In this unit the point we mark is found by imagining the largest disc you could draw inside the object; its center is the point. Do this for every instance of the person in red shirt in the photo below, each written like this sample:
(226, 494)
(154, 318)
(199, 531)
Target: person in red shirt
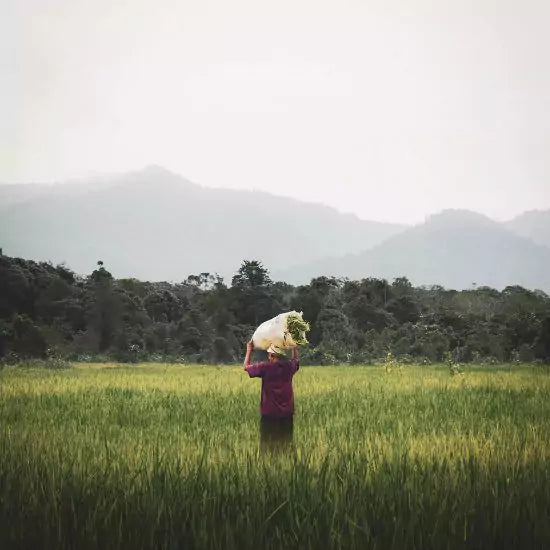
(277, 397)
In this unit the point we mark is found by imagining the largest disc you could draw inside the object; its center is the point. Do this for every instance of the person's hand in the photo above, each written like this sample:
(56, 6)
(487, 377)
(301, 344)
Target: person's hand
(250, 346)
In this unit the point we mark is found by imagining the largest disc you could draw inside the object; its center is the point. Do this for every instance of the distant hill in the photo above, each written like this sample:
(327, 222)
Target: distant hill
(13, 195)
(156, 225)
(455, 249)
(534, 224)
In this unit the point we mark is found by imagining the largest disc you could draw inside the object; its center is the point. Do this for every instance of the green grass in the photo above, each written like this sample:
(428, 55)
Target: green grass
(156, 456)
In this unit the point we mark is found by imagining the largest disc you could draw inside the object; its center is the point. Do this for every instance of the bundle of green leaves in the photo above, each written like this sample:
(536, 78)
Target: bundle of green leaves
(297, 328)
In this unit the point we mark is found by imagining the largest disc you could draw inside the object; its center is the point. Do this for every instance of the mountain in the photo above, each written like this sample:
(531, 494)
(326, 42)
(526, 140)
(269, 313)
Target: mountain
(13, 195)
(156, 225)
(455, 249)
(534, 225)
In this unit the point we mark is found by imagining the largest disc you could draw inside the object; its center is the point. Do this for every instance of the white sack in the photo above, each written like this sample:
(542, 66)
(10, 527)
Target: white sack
(274, 332)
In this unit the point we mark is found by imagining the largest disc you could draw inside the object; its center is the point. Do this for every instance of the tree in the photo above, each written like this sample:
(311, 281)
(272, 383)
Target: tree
(543, 340)
(100, 274)
(404, 308)
(251, 274)
(28, 340)
(311, 299)
(44, 307)
(104, 308)
(163, 304)
(204, 281)
(336, 331)
(15, 288)
(401, 286)
(253, 298)
(5, 336)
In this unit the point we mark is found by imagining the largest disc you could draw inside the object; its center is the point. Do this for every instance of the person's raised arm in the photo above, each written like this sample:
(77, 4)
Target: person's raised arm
(249, 349)
(295, 360)
(254, 370)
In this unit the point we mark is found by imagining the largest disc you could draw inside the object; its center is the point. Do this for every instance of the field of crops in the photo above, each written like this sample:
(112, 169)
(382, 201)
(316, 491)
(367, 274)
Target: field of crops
(156, 456)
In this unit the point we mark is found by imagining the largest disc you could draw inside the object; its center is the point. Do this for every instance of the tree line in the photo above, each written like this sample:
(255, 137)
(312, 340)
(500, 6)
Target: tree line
(48, 311)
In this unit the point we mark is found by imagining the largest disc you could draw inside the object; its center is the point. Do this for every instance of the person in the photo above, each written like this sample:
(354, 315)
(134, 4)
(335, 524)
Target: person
(277, 396)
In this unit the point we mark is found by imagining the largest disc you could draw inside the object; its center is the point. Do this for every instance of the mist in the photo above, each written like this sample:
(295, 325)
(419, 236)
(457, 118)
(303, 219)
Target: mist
(390, 110)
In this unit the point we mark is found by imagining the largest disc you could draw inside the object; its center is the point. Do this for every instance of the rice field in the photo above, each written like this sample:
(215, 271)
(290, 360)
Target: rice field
(168, 456)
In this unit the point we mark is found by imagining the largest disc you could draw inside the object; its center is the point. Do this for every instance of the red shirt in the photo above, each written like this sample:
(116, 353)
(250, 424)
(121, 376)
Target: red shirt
(277, 394)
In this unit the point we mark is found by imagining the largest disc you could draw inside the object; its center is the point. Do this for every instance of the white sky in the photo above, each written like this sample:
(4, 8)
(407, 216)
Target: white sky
(389, 109)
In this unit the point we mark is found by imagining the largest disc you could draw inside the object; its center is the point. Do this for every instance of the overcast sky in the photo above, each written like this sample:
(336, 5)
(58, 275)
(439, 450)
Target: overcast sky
(389, 109)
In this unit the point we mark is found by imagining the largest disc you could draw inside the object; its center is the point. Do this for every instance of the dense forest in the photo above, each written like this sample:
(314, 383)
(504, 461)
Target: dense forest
(49, 312)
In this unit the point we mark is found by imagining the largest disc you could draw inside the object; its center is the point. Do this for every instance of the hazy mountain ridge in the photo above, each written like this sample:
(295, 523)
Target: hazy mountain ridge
(455, 249)
(154, 224)
(12, 195)
(534, 225)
